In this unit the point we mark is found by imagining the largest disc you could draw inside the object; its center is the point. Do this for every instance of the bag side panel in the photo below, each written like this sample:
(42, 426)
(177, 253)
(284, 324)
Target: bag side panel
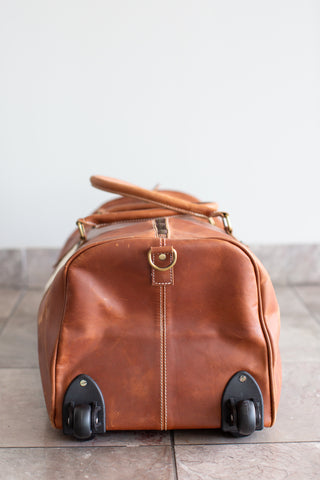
(268, 306)
(213, 330)
(49, 321)
(111, 332)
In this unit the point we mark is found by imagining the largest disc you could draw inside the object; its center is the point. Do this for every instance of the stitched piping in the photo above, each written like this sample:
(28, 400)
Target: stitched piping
(161, 353)
(161, 361)
(165, 350)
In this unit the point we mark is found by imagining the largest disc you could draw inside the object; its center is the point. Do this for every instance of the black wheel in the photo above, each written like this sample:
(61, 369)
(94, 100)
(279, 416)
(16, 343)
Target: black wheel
(83, 409)
(242, 405)
(82, 429)
(246, 417)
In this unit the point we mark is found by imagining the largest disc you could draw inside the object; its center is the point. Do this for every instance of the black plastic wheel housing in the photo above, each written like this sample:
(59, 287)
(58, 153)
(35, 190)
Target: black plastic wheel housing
(242, 405)
(83, 410)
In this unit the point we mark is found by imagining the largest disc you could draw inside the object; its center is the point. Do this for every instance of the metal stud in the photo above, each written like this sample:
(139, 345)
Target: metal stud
(162, 256)
(83, 383)
(242, 378)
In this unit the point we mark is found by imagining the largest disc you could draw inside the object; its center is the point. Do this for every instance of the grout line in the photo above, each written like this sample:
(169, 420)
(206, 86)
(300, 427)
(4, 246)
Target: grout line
(81, 445)
(297, 284)
(24, 268)
(174, 459)
(22, 293)
(27, 288)
(247, 443)
(20, 368)
(34, 288)
(300, 297)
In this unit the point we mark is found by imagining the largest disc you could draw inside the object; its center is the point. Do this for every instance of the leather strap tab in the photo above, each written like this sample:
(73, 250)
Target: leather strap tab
(162, 257)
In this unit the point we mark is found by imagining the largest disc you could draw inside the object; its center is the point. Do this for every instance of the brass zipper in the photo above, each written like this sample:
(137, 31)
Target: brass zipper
(161, 226)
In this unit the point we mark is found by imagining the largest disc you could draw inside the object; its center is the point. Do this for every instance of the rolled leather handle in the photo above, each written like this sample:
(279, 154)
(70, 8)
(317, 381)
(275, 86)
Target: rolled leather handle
(153, 196)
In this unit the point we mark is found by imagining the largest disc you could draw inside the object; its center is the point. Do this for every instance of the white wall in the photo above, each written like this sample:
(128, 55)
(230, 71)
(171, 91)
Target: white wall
(218, 98)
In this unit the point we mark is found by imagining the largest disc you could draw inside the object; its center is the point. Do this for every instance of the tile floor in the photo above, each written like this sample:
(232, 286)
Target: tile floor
(30, 448)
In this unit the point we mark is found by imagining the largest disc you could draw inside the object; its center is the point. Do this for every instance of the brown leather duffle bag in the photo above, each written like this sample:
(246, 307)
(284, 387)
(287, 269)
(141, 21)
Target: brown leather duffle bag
(155, 318)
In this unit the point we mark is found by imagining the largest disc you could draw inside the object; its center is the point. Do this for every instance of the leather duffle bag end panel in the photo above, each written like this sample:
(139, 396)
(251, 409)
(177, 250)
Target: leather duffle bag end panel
(156, 318)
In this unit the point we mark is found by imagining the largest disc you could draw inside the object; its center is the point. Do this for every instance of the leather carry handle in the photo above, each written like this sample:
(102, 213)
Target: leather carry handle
(153, 196)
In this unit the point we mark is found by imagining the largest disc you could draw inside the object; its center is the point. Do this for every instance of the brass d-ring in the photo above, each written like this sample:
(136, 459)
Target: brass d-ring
(163, 269)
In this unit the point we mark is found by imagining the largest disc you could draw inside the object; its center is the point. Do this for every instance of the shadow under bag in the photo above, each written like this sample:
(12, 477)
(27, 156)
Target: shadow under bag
(155, 318)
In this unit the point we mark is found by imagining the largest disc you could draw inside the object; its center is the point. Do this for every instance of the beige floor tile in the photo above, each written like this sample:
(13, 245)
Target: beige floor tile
(310, 295)
(300, 338)
(30, 303)
(3, 322)
(24, 420)
(8, 300)
(294, 461)
(289, 302)
(143, 463)
(290, 264)
(298, 415)
(18, 339)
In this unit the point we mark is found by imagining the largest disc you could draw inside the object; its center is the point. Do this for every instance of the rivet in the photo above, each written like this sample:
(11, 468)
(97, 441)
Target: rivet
(83, 383)
(162, 256)
(242, 378)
